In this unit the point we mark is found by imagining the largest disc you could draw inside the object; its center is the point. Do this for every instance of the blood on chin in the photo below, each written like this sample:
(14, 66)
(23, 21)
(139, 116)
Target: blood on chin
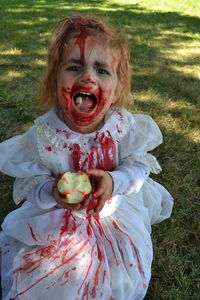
(86, 121)
(83, 125)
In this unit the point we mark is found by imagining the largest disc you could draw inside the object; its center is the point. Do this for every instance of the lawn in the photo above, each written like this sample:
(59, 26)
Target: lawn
(164, 39)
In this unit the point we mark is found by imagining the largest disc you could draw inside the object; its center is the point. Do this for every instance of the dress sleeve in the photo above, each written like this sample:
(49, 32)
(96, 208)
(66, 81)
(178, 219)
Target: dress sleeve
(135, 163)
(19, 158)
(144, 136)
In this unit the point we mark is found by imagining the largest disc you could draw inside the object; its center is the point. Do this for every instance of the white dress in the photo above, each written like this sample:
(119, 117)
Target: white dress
(52, 253)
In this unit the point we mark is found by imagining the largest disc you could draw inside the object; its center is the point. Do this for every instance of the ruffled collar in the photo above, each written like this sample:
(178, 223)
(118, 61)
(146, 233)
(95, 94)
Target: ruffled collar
(116, 125)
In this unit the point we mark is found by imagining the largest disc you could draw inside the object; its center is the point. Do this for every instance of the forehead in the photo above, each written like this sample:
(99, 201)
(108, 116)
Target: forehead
(89, 45)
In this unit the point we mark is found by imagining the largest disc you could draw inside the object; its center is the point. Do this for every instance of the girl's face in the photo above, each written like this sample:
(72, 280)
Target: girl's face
(86, 82)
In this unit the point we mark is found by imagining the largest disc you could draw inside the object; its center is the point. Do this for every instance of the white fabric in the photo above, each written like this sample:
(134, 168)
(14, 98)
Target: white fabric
(52, 253)
(23, 186)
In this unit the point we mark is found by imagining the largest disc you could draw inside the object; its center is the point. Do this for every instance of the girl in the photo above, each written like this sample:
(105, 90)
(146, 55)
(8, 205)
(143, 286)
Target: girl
(101, 248)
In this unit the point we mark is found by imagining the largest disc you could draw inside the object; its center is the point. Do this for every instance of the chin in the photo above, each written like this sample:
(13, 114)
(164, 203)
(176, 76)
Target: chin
(83, 126)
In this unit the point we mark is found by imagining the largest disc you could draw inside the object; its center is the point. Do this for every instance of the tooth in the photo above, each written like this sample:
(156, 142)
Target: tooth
(79, 100)
(85, 93)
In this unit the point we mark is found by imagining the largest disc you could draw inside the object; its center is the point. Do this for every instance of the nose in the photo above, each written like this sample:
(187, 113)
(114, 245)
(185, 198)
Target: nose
(89, 77)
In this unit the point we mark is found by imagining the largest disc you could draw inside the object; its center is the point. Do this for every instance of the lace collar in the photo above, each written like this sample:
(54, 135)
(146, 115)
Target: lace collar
(116, 125)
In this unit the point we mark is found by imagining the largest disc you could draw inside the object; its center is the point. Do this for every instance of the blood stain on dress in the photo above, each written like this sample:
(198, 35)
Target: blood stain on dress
(118, 129)
(134, 249)
(64, 262)
(67, 134)
(99, 157)
(32, 233)
(66, 275)
(96, 276)
(102, 233)
(48, 148)
(120, 116)
(88, 270)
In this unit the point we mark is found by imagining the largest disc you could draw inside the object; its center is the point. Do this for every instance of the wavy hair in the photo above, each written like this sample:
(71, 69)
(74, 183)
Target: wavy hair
(103, 34)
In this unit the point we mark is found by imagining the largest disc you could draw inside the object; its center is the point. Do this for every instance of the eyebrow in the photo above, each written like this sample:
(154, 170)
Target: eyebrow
(72, 61)
(101, 64)
(78, 61)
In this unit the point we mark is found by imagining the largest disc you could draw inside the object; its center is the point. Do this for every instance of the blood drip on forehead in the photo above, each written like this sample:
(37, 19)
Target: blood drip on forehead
(81, 42)
(84, 28)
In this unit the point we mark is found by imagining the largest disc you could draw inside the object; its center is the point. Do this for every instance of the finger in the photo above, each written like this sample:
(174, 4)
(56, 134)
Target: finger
(99, 192)
(98, 209)
(95, 172)
(85, 203)
(100, 204)
(63, 204)
(92, 204)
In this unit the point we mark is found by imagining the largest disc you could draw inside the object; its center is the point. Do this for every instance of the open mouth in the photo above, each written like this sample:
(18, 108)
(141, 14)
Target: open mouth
(85, 102)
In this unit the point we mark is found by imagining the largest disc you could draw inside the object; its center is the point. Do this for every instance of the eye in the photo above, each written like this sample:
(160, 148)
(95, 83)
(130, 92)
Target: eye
(102, 71)
(73, 68)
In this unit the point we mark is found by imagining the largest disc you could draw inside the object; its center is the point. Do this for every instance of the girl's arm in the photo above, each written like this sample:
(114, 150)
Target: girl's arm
(127, 179)
(135, 164)
(18, 160)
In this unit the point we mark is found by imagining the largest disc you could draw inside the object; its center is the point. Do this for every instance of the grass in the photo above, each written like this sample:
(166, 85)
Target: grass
(165, 41)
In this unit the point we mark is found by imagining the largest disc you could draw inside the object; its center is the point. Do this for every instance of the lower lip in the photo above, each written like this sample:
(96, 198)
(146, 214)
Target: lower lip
(83, 114)
(83, 118)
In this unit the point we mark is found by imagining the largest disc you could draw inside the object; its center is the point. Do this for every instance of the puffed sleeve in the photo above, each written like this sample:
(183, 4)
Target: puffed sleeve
(19, 158)
(135, 163)
(144, 136)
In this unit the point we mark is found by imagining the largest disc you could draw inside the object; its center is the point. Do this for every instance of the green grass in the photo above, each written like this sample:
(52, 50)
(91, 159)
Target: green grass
(165, 55)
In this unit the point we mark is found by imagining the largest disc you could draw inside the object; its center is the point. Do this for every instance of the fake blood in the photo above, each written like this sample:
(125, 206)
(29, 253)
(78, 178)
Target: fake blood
(96, 276)
(110, 242)
(64, 262)
(52, 271)
(49, 148)
(92, 204)
(76, 156)
(65, 132)
(88, 270)
(81, 43)
(99, 157)
(108, 151)
(134, 249)
(66, 275)
(32, 233)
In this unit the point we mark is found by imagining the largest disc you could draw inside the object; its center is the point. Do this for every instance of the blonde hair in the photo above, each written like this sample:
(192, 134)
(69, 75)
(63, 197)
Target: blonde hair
(101, 32)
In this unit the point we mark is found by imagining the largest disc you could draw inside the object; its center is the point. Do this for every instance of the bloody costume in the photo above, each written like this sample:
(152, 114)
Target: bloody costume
(52, 253)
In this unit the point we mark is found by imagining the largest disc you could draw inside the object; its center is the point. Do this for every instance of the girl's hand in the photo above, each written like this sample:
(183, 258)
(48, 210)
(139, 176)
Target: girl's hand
(102, 185)
(77, 206)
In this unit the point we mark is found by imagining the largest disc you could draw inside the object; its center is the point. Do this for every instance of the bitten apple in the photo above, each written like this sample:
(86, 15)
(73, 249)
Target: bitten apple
(74, 186)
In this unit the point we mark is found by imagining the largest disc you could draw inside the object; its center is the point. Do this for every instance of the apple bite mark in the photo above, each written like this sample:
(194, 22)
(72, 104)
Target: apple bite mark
(74, 186)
